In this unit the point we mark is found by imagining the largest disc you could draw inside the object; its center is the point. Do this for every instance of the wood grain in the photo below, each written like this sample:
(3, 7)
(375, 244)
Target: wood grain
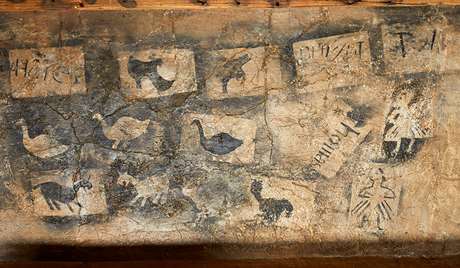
(33, 5)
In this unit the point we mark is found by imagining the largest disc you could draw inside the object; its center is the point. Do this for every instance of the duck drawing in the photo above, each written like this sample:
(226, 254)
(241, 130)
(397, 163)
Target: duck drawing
(219, 144)
(125, 129)
(42, 146)
(139, 69)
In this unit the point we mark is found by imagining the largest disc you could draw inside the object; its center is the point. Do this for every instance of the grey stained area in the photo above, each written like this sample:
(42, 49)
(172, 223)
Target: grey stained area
(135, 168)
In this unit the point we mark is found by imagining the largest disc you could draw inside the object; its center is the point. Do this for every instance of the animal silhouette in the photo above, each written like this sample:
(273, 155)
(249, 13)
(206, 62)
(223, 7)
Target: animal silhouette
(54, 193)
(125, 129)
(155, 189)
(139, 69)
(233, 69)
(220, 144)
(271, 208)
(42, 146)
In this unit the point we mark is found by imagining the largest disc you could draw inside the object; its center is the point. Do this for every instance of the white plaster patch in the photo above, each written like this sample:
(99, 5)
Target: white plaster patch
(47, 72)
(375, 198)
(335, 61)
(155, 73)
(242, 72)
(56, 194)
(409, 49)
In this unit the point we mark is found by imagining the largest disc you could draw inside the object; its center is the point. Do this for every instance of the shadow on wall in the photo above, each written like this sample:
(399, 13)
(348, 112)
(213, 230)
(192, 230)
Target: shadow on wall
(434, 253)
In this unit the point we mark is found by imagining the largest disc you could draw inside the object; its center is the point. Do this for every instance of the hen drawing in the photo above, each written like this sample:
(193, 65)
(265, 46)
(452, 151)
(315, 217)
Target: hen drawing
(138, 69)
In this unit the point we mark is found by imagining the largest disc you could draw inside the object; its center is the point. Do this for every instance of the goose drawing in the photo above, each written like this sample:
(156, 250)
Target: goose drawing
(220, 144)
(125, 129)
(139, 69)
(42, 146)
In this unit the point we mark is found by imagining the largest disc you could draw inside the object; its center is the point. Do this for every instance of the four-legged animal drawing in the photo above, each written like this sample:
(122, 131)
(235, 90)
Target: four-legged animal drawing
(153, 188)
(54, 193)
(272, 209)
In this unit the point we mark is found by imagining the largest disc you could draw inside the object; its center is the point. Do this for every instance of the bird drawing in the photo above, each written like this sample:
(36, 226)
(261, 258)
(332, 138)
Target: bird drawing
(219, 144)
(139, 69)
(42, 146)
(125, 129)
(233, 69)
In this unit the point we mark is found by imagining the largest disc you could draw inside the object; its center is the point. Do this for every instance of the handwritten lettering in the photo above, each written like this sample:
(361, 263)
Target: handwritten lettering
(47, 72)
(36, 69)
(332, 144)
(333, 51)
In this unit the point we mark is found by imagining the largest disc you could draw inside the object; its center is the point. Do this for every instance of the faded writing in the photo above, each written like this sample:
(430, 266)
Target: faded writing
(332, 144)
(333, 61)
(47, 72)
(412, 48)
(333, 51)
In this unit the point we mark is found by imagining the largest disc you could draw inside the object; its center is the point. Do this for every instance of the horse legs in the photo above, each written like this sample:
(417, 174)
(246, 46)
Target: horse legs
(70, 207)
(144, 200)
(135, 199)
(56, 204)
(50, 205)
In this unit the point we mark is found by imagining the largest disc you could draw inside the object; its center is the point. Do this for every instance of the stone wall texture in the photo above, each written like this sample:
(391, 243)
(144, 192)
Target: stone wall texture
(309, 131)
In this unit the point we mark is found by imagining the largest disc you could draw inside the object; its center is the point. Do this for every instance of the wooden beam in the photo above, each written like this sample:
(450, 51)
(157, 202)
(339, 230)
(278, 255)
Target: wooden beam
(34, 5)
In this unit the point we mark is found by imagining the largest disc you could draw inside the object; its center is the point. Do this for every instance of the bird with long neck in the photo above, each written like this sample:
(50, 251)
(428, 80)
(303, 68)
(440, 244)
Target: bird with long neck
(42, 146)
(200, 131)
(220, 144)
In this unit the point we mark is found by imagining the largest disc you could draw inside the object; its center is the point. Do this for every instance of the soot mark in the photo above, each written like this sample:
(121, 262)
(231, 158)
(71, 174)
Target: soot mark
(272, 209)
(403, 150)
(55, 193)
(220, 144)
(406, 125)
(233, 69)
(202, 2)
(360, 114)
(128, 3)
(139, 69)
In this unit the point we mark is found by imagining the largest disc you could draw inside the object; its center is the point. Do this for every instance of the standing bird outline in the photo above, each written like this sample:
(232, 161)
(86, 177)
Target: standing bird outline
(43, 145)
(125, 129)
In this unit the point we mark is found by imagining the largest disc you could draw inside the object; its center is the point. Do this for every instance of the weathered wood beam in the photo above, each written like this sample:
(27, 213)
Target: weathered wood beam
(33, 5)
